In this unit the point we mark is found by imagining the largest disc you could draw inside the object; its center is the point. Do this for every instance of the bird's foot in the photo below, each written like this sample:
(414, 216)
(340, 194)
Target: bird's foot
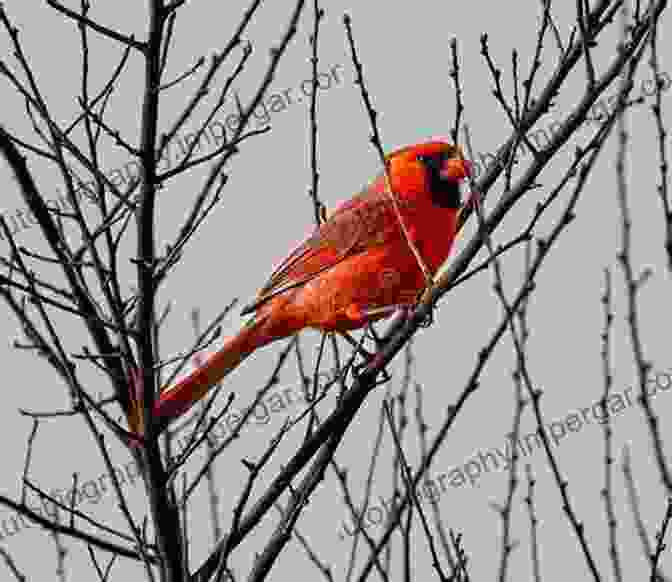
(368, 359)
(407, 310)
(363, 367)
(429, 319)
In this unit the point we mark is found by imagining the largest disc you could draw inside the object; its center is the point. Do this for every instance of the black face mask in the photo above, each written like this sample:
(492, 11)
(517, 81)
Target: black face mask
(445, 192)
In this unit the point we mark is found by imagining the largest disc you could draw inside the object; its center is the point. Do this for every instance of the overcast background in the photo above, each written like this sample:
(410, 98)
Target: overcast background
(265, 210)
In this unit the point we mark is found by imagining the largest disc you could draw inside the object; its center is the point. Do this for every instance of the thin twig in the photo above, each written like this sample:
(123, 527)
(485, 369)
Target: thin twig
(406, 472)
(318, 206)
(607, 491)
(213, 497)
(633, 285)
(586, 41)
(74, 533)
(313, 557)
(656, 110)
(660, 541)
(29, 454)
(75, 512)
(534, 524)
(184, 76)
(375, 140)
(12, 566)
(455, 76)
(105, 31)
(438, 521)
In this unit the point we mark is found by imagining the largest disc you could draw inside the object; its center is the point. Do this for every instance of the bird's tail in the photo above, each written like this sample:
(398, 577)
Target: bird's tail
(178, 399)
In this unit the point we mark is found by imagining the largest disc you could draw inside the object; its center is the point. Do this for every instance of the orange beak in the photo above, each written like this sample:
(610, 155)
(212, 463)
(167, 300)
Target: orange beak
(456, 169)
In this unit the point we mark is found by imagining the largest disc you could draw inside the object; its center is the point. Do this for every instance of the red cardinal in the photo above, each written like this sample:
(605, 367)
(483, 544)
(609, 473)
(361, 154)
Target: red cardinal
(356, 268)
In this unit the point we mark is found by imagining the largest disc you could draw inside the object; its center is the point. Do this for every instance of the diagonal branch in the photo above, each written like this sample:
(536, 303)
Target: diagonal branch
(104, 30)
(75, 533)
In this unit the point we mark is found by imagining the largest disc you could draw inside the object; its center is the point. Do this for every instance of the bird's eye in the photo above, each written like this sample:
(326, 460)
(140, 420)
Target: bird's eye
(434, 160)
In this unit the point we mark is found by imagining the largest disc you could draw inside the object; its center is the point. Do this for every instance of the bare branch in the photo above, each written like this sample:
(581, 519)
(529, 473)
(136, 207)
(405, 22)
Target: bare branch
(74, 533)
(105, 31)
(12, 566)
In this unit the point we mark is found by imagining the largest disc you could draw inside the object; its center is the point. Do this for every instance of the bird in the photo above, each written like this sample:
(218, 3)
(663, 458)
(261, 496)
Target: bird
(358, 266)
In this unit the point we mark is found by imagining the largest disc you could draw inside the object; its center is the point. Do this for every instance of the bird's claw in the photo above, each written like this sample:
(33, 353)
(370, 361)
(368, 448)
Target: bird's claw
(429, 319)
(409, 309)
(359, 369)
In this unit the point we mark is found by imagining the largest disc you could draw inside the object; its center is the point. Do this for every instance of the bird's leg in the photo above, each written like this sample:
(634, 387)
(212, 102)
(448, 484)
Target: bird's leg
(474, 200)
(367, 356)
(370, 363)
(374, 336)
(403, 312)
(357, 312)
(413, 304)
(429, 320)
(382, 312)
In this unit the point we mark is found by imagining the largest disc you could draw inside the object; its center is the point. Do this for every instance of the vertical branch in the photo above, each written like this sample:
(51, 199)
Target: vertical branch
(341, 475)
(407, 545)
(406, 472)
(634, 284)
(210, 471)
(402, 402)
(318, 207)
(438, 522)
(607, 492)
(455, 76)
(146, 244)
(534, 524)
(505, 510)
(656, 109)
(164, 511)
(582, 16)
(29, 454)
(184, 533)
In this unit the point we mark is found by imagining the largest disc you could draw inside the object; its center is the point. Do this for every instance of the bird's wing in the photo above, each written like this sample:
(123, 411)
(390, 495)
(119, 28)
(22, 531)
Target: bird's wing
(364, 221)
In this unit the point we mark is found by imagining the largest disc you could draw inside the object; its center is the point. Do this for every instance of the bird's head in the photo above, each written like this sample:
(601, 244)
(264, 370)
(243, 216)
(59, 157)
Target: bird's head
(435, 168)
